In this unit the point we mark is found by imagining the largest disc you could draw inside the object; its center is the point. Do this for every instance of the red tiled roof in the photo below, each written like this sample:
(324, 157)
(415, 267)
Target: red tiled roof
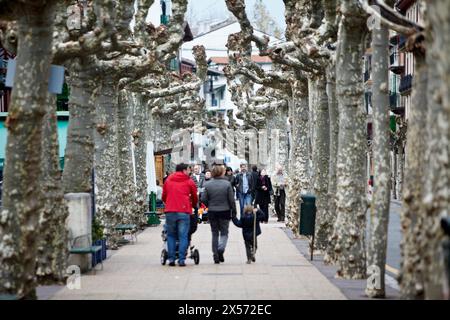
(255, 58)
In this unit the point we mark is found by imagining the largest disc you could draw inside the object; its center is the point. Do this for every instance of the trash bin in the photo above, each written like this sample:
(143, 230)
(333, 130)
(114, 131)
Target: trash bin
(308, 218)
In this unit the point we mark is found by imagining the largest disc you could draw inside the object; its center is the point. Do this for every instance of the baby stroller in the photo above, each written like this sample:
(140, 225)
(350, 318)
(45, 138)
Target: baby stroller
(193, 252)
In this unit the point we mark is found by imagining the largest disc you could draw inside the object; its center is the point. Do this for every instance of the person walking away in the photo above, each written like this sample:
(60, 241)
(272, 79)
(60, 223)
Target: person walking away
(245, 186)
(249, 223)
(279, 183)
(219, 198)
(179, 196)
(263, 193)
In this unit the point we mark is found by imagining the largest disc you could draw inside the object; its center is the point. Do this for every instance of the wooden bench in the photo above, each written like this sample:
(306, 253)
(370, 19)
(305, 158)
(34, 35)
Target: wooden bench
(123, 227)
(89, 249)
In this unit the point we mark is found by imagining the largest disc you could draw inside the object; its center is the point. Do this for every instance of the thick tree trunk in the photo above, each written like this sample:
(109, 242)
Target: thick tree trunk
(298, 181)
(140, 138)
(332, 178)
(379, 212)
(277, 120)
(22, 201)
(79, 154)
(349, 228)
(410, 279)
(437, 181)
(106, 164)
(126, 173)
(52, 246)
(321, 158)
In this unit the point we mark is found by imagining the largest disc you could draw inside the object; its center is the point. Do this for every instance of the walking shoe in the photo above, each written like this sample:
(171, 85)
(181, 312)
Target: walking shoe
(181, 264)
(172, 263)
(253, 258)
(249, 261)
(221, 258)
(216, 261)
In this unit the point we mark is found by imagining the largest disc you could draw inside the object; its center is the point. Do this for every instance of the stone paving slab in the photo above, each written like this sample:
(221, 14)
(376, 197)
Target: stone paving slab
(135, 272)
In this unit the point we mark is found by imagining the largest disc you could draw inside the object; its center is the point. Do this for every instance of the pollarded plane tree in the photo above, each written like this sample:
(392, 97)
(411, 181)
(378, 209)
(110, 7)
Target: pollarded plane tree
(21, 207)
(307, 58)
(24, 207)
(425, 199)
(169, 98)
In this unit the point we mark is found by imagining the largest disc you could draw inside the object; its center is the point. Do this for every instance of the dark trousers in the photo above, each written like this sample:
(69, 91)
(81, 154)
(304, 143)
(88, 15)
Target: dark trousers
(280, 202)
(265, 208)
(249, 248)
(219, 230)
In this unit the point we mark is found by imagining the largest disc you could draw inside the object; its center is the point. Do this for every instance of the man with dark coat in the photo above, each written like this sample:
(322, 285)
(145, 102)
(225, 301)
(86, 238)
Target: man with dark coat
(245, 187)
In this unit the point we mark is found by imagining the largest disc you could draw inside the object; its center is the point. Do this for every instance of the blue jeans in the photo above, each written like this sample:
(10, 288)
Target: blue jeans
(178, 224)
(244, 199)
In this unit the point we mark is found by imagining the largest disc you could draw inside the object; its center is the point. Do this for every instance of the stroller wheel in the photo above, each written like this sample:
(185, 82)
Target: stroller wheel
(196, 256)
(164, 257)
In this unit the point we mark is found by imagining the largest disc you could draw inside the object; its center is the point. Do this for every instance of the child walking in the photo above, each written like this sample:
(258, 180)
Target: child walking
(249, 223)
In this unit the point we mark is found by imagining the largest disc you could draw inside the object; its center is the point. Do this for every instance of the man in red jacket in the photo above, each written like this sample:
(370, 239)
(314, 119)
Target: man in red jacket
(179, 196)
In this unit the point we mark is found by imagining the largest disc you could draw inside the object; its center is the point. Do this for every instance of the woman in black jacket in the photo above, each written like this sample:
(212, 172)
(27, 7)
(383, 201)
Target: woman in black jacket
(263, 192)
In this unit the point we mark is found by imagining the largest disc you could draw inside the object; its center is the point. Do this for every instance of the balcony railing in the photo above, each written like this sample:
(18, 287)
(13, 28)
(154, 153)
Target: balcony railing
(405, 83)
(393, 100)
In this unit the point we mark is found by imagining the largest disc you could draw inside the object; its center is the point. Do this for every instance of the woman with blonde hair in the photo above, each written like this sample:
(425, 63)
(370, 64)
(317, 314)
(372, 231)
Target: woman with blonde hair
(218, 196)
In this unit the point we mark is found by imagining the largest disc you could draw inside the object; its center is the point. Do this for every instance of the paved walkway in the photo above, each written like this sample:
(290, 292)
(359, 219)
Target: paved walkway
(134, 272)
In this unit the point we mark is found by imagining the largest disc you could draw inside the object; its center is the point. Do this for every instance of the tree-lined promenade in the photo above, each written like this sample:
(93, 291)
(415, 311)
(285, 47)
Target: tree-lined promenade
(118, 68)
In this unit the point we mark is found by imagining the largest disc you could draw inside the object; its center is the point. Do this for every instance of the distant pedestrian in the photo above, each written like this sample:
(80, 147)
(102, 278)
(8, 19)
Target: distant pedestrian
(279, 184)
(255, 175)
(263, 192)
(219, 198)
(230, 176)
(199, 179)
(159, 191)
(245, 187)
(179, 195)
(249, 222)
(166, 176)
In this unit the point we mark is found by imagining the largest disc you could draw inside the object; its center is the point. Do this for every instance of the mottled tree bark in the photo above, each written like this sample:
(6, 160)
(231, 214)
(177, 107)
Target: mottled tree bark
(379, 212)
(298, 181)
(277, 120)
(124, 138)
(19, 221)
(79, 153)
(321, 158)
(52, 245)
(106, 163)
(332, 178)
(437, 181)
(351, 197)
(410, 279)
(140, 138)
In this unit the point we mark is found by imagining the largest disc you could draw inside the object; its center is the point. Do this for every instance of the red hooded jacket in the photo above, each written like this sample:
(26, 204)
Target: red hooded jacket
(179, 193)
